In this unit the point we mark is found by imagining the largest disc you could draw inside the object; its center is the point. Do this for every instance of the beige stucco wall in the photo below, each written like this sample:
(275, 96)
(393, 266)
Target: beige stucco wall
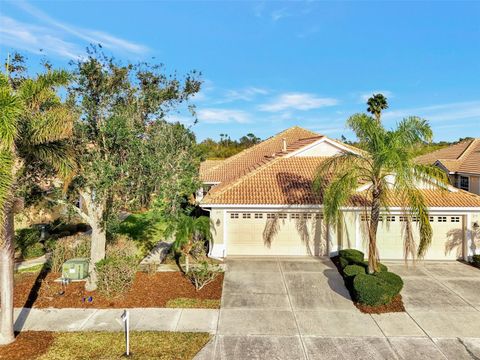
(475, 184)
(216, 216)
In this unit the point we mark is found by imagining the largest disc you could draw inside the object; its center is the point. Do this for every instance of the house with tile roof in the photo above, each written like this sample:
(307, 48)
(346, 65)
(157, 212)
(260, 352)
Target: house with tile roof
(460, 161)
(261, 202)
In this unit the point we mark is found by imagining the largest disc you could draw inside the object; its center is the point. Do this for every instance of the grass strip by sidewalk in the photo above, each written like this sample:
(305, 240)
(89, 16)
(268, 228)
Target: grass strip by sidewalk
(188, 303)
(105, 345)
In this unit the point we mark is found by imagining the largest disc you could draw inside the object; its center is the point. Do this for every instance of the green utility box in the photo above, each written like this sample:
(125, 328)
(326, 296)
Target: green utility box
(75, 269)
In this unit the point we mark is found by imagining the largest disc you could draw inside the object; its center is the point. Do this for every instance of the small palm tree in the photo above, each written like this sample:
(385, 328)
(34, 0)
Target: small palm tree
(34, 128)
(376, 104)
(186, 230)
(386, 167)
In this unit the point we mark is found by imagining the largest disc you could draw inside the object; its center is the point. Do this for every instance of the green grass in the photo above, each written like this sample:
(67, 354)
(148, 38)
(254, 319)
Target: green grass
(32, 269)
(193, 303)
(144, 228)
(143, 345)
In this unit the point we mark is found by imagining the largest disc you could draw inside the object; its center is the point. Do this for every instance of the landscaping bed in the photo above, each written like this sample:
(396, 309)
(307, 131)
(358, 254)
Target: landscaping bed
(39, 290)
(371, 293)
(43, 345)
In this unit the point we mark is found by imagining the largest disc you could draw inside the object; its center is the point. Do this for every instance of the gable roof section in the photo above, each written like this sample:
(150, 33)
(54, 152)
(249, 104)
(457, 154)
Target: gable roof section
(463, 157)
(258, 155)
(207, 165)
(288, 181)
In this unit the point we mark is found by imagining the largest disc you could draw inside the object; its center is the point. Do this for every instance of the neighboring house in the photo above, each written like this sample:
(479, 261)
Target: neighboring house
(461, 162)
(261, 203)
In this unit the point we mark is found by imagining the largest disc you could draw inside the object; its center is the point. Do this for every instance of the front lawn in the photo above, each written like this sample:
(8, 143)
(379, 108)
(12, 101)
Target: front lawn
(104, 345)
(39, 290)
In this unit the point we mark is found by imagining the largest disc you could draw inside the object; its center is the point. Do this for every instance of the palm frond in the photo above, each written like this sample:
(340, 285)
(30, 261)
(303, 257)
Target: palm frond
(48, 126)
(11, 107)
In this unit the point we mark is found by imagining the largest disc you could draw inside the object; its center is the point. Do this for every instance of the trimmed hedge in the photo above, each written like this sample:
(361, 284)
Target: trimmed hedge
(343, 262)
(476, 260)
(382, 268)
(352, 255)
(353, 270)
(377, 289)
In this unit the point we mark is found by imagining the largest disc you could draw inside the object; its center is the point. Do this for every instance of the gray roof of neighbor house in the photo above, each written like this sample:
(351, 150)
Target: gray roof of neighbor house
(463, 157)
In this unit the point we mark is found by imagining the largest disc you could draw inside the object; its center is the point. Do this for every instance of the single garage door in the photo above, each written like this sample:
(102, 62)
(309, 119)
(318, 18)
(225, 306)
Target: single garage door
(447, 241)
(251, 233)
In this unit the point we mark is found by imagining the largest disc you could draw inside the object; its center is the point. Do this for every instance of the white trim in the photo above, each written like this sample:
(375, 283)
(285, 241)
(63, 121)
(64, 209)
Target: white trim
(293, 207)
(319, 141)
(467, 253)
(211, 182)
(225, 232)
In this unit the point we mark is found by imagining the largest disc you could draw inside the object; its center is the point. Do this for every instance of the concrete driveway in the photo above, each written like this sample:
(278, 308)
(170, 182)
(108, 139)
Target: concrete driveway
(298, 308)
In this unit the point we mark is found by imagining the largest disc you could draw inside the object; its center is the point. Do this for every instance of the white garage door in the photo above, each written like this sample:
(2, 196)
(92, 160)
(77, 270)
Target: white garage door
(275, 234)
(447, 241)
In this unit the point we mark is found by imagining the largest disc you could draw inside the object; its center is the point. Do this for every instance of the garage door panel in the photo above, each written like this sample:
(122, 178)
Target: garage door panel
(289, 236)
(447, 239)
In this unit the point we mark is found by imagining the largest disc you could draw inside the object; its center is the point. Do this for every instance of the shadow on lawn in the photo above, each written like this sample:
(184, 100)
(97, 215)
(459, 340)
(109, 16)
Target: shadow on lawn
(32, 297)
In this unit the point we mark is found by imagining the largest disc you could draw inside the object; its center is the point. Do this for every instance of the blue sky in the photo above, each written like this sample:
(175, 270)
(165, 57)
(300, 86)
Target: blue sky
(268, 65)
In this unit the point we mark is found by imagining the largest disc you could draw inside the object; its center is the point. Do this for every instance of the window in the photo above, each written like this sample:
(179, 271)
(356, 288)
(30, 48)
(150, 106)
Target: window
(464, 183)
(391, 218)
(455, 219)
(442, 219)
(246, 216)
(282, 216)
(415, 219)
(364, 217)
(307, 216)
(294, 216)
(318, 216)
(233, 216)
(258, 216)
(402, 218)
(270, 216)
(432, 219)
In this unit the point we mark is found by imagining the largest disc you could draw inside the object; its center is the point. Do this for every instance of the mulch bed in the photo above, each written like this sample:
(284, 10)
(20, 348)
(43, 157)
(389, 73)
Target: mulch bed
(27, 345)
(38, 290)
(396, 305)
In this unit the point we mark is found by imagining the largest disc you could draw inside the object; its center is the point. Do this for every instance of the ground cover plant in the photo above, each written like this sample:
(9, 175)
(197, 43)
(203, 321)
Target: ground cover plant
(104, 345)
(376, 292)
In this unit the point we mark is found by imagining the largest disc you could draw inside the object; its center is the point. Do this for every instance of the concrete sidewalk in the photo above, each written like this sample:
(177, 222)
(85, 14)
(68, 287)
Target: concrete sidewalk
(155, 319)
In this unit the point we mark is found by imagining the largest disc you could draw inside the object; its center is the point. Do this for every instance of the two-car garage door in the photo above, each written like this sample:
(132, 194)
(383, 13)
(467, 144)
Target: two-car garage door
(447, 241)
(263, 233)
(250, 233)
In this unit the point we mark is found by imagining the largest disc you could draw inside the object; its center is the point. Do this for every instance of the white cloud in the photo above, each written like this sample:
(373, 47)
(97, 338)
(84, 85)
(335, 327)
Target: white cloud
(246, 94)
(222, 116)
(438, 113)
(279, 14)
(297, 101)
(367, 95)
(53, 36)
(36, 39)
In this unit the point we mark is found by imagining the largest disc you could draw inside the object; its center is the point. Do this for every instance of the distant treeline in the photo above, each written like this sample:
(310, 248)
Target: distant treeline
(226, 147)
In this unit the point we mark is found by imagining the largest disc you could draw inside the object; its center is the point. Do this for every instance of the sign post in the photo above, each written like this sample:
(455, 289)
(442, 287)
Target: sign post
(126, 320)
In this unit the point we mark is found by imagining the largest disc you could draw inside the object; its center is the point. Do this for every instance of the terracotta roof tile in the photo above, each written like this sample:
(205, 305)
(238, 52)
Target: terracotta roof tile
(257, 155)
(288, 181)
(208, 165)
(462, 157)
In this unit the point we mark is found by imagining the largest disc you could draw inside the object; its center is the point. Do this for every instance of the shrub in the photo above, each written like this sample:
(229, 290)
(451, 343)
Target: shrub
(353, 270)
(371, 290)
(476, 260)
(352, 255)
(203, 274)
(382, 268)
(393, 280)
(27, 241)
(122, 247)
(377, 289)
(33, 251)
(343, 262)
(116, 274)
(68, 248)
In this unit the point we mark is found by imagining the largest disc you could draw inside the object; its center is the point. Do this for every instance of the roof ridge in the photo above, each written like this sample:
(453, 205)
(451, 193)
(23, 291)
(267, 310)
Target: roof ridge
(467, 149)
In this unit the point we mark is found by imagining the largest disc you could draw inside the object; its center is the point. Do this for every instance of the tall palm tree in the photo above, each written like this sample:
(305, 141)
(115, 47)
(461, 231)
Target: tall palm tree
(385, 167)
(186, 230)
(34, 128)
(376, 104)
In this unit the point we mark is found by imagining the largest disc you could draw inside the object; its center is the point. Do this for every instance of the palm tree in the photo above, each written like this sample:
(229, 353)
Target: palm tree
(34, 127)
(385, 167)
(376, 104)
(186, 230)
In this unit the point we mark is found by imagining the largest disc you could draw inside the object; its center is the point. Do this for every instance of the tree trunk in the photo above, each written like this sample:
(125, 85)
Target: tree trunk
(6, 278)
(372, 232)
(187, 263)
(95, 214)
